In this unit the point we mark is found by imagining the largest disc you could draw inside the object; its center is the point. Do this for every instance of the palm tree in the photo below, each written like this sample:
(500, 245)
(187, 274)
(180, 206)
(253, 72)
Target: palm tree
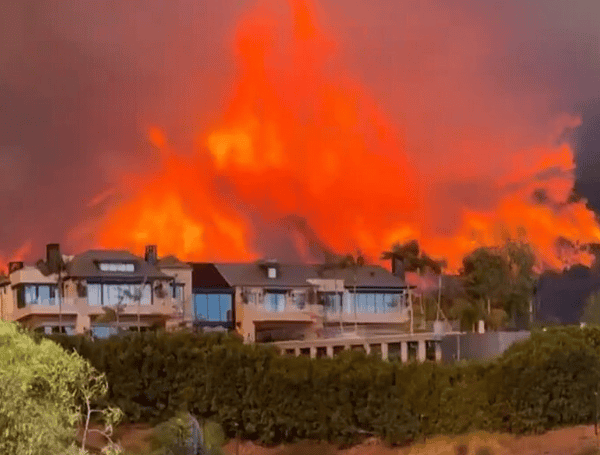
(415, 260)
(354, 262)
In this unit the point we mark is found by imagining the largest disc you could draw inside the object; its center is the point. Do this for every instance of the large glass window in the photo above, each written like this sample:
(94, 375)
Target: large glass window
(331, 302)
(102, 330)
(94, 294)
(36, 294)
(275, 301)
(212, 307)
(376, 302)
(114, 294)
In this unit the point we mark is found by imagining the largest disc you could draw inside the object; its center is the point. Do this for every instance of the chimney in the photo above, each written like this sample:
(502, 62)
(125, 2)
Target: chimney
(53, 258)
(14, 266)
(151, 255)
(398, 267)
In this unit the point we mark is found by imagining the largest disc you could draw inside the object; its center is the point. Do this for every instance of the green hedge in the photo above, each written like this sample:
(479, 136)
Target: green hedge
(537, 384)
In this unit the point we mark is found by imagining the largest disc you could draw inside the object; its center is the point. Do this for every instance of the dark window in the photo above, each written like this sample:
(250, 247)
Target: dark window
(21, 297)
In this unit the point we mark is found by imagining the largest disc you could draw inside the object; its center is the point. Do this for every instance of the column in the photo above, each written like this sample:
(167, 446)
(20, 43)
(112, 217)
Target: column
(438, 351)
(296, 352)
(421, 352)
(329, 351)
(404, 352)
(384, 351)
(367, 348)
(313, 352)
(82, 323)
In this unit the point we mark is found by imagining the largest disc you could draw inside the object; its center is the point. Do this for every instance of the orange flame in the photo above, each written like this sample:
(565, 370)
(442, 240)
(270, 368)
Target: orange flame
(301, 137)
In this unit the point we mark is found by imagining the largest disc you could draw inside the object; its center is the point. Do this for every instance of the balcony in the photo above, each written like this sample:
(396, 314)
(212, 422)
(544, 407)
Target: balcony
(67, 308)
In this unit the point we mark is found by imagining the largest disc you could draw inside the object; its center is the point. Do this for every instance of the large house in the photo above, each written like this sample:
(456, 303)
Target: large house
(262, 301)
(68, 293)
(268, 301)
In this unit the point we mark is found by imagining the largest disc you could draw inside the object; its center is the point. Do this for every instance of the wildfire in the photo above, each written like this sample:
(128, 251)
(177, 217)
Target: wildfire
(301, 137)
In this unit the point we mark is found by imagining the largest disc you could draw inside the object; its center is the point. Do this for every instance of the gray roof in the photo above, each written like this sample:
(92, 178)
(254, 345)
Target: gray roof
(252, 274)
(85, 265)
(366, 276)
(171, 262)
(296, 275)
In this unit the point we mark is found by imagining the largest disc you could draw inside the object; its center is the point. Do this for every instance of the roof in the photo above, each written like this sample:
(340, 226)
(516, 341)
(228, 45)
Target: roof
(296, 275)
(253, 274)
(171, 262)
(4, 279)
(366, 276)
(206, 276)
(85, 265)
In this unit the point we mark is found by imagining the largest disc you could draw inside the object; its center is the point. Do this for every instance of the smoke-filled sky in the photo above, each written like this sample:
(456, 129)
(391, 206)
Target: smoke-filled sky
(237, 129)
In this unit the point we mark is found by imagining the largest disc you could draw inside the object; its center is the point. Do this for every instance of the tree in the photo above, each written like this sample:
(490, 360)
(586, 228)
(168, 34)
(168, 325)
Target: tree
(414, 260)
(485, 276)
(41, 388)
(501, 277)
(522, 279)
(591, 310)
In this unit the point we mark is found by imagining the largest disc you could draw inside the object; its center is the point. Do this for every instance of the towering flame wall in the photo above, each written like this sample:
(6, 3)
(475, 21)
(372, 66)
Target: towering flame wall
(301, 137)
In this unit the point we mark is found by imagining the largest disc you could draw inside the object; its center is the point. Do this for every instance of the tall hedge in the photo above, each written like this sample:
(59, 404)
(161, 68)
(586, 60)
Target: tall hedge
(539, 383)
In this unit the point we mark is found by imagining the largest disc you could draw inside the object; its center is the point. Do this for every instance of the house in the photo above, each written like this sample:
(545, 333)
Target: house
(267, 300)
(149, 292)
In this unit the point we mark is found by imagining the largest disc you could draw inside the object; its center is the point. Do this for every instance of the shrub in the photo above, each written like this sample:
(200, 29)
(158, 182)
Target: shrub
(546, 381)
(41, 391)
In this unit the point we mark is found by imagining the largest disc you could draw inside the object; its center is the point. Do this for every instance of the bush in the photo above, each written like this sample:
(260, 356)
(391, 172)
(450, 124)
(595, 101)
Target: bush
(546, 381)
(41, 392)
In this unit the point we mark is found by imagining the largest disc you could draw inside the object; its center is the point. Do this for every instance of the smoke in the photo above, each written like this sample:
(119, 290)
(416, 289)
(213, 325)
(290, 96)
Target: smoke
(463, 98)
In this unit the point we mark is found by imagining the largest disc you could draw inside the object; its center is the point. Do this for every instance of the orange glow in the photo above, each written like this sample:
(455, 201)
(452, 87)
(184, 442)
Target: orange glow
(16, 255)
(298, 139)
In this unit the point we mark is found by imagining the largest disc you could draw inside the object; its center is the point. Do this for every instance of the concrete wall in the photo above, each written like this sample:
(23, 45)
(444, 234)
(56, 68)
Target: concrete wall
(480, 346)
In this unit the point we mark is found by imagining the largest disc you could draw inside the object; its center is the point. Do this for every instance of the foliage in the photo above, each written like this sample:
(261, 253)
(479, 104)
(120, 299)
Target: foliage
(467, 312)
(546, 381)
(496, 319)
(41, 387)
(254, 393)
(502, 276)
(591, 310)
(414, 259)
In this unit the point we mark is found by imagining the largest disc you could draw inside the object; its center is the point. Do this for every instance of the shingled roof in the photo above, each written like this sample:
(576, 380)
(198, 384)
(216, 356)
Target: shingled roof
(86, 265)
(297, 275)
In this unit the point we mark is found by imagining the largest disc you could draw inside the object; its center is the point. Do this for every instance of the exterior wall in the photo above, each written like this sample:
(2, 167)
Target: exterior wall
(76, 309)
(480, 346)
(308, 321)
(183, 276)
(251, 313)
(6, 303)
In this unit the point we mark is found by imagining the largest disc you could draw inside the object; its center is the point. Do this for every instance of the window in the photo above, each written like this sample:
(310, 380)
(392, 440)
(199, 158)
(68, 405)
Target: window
(36, 294)
(177, 291)
(117, 267)
(331, 302)
(213, 307)
(103, 330)
(272, 272)
(274, 301)
(114, 294)
(377, 302)
(299, 299)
